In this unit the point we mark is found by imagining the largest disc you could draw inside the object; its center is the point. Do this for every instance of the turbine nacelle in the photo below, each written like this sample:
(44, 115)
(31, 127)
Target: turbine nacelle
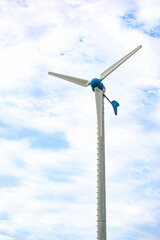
(95, 82)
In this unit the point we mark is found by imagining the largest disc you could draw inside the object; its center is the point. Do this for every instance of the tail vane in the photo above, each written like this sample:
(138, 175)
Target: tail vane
(115, 105)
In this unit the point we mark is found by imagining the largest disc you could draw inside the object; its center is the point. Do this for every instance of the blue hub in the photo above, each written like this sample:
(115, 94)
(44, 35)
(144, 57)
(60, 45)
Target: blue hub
(95, 82)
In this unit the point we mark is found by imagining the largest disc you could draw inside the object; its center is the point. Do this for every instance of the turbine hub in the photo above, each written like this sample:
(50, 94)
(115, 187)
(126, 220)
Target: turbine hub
(95, 82)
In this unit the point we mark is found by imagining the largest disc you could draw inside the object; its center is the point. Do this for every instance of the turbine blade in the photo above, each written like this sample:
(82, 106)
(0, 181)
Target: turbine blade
(117, 64)
(78, 81)
(99, 108)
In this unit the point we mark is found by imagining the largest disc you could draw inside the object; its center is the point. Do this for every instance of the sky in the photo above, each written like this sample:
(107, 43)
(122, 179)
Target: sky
(48, 126)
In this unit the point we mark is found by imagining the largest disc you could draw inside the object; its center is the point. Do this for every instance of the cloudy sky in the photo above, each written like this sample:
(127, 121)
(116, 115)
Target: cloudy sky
(48, 126)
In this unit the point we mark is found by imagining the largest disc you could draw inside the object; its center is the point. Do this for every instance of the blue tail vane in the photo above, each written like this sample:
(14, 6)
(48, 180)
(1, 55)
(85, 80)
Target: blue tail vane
(115, 105)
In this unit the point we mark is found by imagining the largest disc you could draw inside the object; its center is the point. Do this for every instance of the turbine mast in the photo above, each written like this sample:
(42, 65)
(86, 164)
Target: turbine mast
(101, 189)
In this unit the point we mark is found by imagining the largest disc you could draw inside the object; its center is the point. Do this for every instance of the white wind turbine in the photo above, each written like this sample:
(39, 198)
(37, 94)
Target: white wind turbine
(99, 89)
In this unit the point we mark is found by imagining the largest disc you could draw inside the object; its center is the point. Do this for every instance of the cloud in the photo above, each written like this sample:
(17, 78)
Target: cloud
(48, 126)
(131, 21)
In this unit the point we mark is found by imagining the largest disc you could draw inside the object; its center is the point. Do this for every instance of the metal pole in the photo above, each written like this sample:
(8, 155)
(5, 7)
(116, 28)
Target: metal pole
(101, 191)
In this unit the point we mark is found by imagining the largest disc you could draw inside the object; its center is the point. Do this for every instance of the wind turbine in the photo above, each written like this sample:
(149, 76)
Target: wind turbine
(99, 89)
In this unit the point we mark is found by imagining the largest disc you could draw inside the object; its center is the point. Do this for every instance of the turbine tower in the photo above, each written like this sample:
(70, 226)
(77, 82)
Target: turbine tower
(99, 89)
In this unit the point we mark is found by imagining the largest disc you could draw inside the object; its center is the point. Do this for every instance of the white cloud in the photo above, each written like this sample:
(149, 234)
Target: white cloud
(148, 12)
(56, 195)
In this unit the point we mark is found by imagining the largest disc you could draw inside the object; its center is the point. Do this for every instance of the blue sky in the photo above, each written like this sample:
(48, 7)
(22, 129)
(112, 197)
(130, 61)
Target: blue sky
(48, 126)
